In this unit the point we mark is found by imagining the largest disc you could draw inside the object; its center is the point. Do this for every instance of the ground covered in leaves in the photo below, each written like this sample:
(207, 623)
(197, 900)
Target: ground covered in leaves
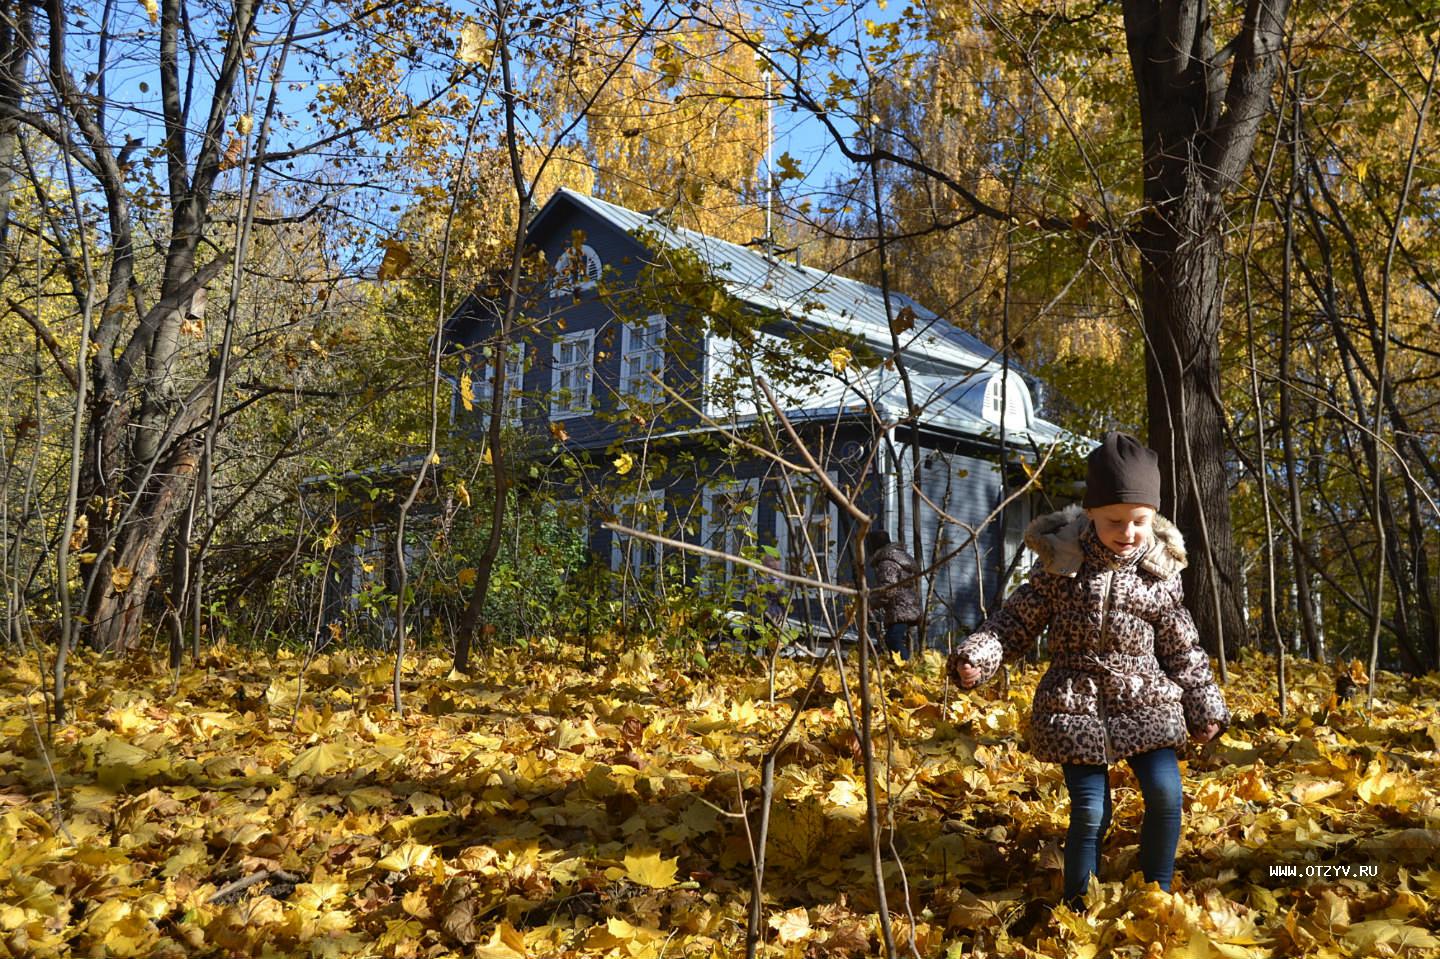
(539, 808)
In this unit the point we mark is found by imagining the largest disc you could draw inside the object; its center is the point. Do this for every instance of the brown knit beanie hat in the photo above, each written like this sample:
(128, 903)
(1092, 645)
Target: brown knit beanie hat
(1122, 470)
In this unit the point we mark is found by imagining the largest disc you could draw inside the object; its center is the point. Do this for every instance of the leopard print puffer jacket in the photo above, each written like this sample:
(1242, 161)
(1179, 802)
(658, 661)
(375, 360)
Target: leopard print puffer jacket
(1126, 674)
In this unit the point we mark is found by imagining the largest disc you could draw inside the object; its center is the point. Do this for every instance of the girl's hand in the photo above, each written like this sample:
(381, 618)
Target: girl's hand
(965, 675)
(1209, 733)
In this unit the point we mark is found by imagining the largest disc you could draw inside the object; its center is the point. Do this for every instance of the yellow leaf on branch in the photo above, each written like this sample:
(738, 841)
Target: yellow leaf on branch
(82, 529)
(121, 577)
(473, 45)
(396, 261)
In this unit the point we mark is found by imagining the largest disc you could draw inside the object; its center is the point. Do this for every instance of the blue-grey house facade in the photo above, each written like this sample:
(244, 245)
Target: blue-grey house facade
(597, 337)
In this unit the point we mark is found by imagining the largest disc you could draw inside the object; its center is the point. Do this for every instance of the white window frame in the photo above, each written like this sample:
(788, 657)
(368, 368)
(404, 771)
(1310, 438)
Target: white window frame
(579, 403)
(645, 512)
(809, 496)
(637, 362)
(563, 284)
(481, 385)
(724, 361)
(728, 537)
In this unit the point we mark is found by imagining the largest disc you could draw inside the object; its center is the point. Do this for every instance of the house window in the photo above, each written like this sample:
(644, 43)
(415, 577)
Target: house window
(640, 559)
(1012, 389)
(731, 369)
(482, 386)
(806, 530)
(642, 352)
(727, 523)
(571, 374)
(576, 273)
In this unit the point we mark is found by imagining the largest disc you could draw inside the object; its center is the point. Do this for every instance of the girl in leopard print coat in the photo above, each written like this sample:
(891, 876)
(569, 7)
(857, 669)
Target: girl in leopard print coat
(1127, 678)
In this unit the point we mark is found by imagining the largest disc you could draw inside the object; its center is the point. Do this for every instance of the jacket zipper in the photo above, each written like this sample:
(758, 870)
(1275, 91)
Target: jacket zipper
(1100, 677)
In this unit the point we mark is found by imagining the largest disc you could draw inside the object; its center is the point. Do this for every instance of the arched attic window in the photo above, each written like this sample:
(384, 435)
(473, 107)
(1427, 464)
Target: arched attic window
(573, 276)
(1016, 396)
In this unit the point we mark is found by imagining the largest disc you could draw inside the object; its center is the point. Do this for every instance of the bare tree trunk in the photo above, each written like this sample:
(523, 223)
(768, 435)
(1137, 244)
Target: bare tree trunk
(1198, 130)
(16, 45)
(500, 471)
(1381, 359)
(180, 578)
(1181, 301)
(867, 741)
(1304, 603)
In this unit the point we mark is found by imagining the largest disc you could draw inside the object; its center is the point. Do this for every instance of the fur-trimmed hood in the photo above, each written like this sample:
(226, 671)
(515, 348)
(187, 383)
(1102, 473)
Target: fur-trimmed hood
(1056, 539)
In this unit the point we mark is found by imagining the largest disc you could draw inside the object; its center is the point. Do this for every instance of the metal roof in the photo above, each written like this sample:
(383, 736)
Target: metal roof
(947, 403)
(947, 366)
(807, 294)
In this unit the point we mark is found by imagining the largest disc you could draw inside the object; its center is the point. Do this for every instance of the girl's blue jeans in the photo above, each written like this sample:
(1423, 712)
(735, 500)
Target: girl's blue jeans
(897, 639)
(1159, 774)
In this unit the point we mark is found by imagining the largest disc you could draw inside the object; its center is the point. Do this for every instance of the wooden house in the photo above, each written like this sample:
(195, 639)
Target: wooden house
(596, 327)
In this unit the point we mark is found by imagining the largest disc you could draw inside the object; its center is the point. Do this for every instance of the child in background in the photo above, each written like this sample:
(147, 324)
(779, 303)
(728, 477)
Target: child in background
(899, 604)
(1127, 679)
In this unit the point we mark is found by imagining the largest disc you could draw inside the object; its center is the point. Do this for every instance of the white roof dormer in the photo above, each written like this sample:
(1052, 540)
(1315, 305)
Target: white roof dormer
(1006, 394)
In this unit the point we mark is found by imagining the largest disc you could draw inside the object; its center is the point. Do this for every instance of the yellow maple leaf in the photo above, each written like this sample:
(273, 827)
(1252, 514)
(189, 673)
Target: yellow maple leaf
(845, 799)
(80, 532)
(152, 10)
(396, 261)
(121, 577)
(1197, 948)
(466, 577)
(191, 855)
(472, 43)
(625, 932)
(13, 917)
(416, 903)
(792, 926)
(840, 358)
(1393, 933)
(624, 463)
(505, 943)
(467, 393)
(648, 869)
(1309, 791)
(106, 916)
(318, 759)
(406, 857)
(119, 752)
